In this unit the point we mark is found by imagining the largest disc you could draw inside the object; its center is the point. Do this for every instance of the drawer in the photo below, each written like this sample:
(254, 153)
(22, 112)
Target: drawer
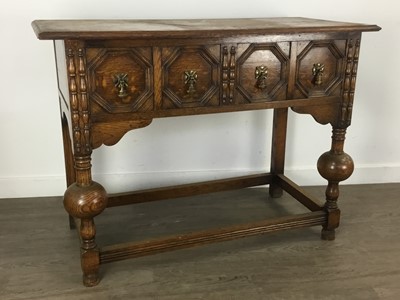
(121, 79)
(319, 68)
(191, 76)
(262, 72)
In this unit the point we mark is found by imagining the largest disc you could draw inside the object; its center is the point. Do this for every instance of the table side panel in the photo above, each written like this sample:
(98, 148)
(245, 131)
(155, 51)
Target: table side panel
(62, 79)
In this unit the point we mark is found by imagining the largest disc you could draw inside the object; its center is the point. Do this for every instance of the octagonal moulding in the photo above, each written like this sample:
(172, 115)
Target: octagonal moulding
(332, 62)
(271, 58)
(191, 60)
(129, 64)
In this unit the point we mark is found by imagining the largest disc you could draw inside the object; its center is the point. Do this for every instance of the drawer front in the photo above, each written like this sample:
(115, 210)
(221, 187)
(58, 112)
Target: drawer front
(262, 72)
(121, 80)
(191, 76)
(319, 68)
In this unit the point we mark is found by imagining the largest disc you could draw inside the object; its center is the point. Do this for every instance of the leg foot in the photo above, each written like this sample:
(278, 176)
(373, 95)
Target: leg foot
(327, 235)
(90, 267)
(275, 191)
(91, 280)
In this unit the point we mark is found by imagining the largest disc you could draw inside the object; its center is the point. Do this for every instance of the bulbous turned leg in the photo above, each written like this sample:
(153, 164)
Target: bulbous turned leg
(335, 166)
(86, 202)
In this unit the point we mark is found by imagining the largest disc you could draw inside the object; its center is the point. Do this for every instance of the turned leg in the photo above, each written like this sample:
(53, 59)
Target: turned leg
(85, 199)
(278, 149)
(335, 166)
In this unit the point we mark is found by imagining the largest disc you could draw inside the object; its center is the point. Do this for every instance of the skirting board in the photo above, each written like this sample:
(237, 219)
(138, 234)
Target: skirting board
(43, 186)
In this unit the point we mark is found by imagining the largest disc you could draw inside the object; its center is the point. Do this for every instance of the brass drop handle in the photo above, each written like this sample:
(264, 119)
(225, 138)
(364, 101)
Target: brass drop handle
(121, 83)
(190, 81)
(261, 73)
(318, 71)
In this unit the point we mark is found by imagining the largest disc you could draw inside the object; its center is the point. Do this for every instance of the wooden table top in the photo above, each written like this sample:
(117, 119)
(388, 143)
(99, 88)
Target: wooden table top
(114, 29)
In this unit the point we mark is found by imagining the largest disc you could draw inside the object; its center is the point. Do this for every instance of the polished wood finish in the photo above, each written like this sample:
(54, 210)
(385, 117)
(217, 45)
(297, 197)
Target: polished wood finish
(129, 250)
(204, 28)
(189, 189)
(117, 75)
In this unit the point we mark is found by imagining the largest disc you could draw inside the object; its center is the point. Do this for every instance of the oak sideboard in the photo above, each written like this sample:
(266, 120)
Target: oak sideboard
(118, 75)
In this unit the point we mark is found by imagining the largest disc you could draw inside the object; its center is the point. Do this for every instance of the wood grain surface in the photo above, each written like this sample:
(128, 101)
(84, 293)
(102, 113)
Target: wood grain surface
(86, 29)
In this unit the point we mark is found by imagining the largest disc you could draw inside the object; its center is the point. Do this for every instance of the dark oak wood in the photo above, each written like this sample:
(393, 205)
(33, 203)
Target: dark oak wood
(189, 189)
(298, 193)
(69, 160)
(124, 251)
(131, 29)
(117, 75)
(278, 149)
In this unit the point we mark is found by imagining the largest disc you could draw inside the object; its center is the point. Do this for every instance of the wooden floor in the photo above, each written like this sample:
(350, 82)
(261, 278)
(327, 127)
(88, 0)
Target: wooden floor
(39, 254)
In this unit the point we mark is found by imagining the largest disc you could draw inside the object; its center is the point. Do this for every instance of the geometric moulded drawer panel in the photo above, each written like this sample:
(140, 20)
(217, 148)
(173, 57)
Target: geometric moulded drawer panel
(319, 69)
(121, 80)
(190, 76)
(262, 73)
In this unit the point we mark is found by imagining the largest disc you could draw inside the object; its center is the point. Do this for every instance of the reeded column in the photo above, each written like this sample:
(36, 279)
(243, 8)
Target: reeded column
(335, 166)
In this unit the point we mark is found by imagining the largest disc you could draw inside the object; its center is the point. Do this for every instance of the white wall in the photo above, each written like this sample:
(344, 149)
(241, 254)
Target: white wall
(31, 158)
